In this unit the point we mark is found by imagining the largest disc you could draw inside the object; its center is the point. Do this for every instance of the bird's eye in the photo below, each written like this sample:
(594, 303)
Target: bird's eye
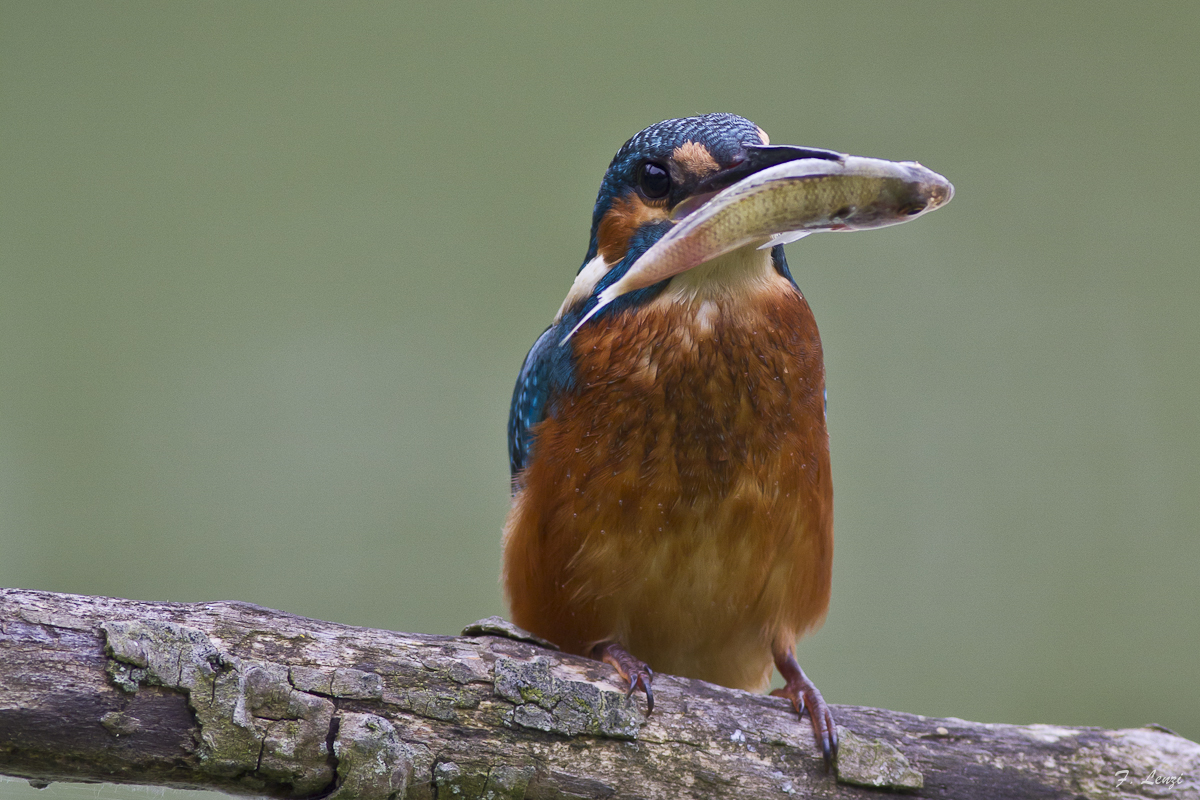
(654, 180)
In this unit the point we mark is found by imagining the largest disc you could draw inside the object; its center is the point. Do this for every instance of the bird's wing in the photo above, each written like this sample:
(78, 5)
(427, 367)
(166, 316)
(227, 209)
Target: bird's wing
(530, 396)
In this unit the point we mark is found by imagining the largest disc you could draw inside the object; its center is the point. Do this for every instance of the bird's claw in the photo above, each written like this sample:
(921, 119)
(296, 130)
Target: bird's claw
(805, 696)
(635, 672)
(642, 680)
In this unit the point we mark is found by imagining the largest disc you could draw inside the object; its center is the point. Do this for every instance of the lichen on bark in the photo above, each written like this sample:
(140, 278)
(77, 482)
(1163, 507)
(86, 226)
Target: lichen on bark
(255, 726)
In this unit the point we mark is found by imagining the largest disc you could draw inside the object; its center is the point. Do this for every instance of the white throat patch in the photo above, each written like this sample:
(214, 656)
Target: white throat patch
(584, 285)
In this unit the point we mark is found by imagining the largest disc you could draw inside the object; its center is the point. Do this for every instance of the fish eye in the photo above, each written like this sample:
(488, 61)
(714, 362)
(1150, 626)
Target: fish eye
(654, 180)
(913, 210)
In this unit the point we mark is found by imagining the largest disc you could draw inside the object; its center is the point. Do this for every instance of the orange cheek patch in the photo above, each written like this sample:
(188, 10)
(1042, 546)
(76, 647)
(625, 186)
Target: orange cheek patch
(695, 159)
(624, 217)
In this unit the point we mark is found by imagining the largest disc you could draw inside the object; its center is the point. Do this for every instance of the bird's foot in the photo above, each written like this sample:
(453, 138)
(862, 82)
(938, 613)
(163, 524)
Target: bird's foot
(633, 671)
(804, 695)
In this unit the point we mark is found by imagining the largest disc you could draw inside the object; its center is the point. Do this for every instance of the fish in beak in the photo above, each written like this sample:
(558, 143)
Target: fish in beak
(779, 194)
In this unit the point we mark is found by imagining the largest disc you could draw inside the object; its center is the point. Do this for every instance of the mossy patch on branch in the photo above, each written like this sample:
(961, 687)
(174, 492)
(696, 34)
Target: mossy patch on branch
(548, 703)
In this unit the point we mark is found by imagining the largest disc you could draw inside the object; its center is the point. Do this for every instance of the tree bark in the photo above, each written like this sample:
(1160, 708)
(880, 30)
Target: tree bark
(243, 699)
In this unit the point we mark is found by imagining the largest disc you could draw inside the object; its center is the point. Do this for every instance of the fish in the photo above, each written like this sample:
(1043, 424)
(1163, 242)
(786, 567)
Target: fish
(781, 204)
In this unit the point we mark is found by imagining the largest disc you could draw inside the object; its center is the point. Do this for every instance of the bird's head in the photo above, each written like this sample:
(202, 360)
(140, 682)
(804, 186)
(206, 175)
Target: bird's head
(660, 168)
(658, 177)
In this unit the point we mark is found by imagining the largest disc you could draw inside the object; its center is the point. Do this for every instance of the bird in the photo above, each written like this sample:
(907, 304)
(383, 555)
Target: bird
(672, 498)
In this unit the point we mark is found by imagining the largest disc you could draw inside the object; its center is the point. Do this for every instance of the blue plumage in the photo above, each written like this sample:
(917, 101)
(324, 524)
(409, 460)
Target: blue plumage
(544, 373)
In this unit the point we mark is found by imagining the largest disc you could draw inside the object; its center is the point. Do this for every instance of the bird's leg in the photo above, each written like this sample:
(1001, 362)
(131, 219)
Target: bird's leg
(633, 671)
(804, 695)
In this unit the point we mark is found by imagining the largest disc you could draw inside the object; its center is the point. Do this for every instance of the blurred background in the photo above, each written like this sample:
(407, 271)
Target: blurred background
(268, 272)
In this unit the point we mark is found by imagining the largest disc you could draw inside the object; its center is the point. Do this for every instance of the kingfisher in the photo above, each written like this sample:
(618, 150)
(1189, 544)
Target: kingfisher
(672, 500)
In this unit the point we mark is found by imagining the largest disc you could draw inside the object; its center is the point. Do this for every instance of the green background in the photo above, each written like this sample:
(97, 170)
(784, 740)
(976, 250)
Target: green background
(268, 271)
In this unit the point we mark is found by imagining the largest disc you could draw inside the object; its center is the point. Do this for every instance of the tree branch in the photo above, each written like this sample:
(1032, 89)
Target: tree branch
(242, 699)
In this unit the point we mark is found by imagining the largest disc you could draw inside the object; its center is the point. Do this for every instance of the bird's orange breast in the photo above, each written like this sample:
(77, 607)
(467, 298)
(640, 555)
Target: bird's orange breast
(678, 499)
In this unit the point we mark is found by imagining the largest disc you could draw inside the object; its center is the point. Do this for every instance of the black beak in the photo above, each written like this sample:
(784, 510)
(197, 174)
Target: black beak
(758, 157)
(754, 158)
